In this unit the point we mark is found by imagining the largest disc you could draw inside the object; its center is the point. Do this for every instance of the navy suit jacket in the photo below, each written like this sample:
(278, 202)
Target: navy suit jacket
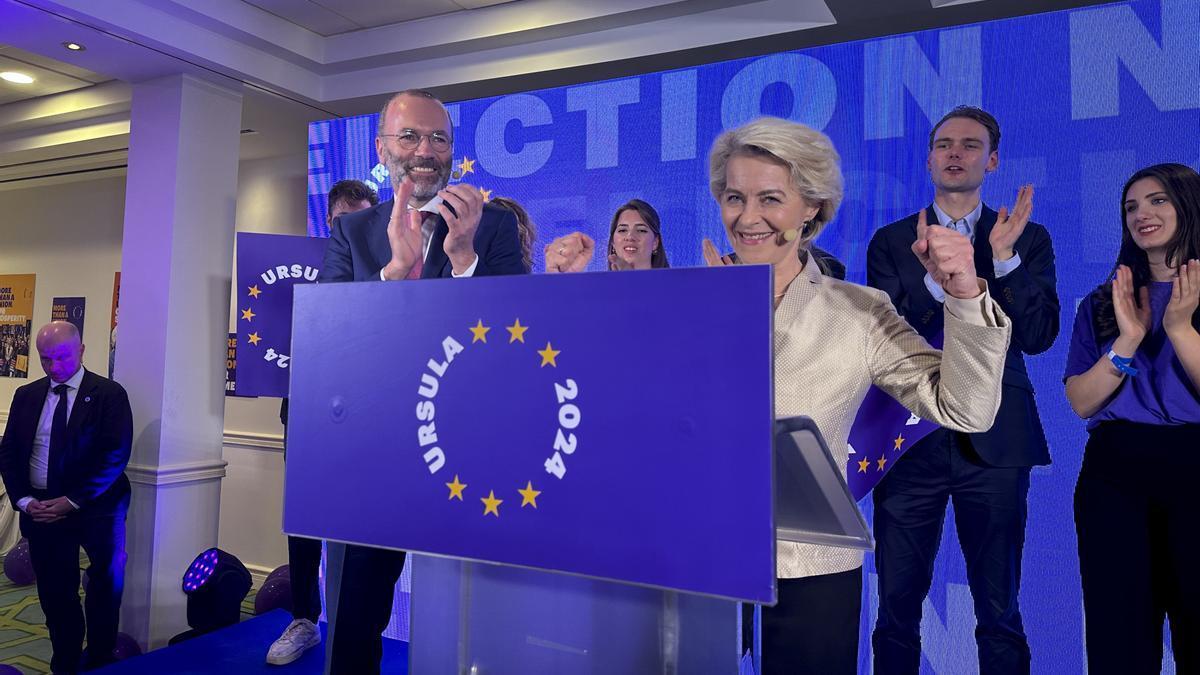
(1028, 295)
(91, 470)
(358, 246)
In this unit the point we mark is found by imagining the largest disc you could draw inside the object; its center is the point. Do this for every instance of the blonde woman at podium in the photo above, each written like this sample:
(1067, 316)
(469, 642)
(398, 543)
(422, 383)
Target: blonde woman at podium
(778, 184)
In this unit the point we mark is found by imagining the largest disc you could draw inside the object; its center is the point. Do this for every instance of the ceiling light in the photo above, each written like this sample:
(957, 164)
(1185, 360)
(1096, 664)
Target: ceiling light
(74, 46)
(18, 78)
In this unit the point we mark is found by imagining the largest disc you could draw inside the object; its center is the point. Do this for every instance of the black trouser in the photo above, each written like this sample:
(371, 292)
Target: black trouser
(304, 568)
(989, 513)
(304, 559)
(364, 608)
(54, 550)
(813, 628)
(1135, 516)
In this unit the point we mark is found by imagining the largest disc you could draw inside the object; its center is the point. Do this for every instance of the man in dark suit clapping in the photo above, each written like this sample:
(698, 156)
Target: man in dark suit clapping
(429, 230)
(986, 474)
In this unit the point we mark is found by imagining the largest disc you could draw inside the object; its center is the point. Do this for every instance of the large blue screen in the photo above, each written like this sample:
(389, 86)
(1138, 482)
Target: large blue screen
(1084, 98)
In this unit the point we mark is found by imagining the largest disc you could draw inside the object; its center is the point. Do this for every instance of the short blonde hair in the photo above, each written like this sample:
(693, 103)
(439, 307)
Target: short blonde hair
(808, 154)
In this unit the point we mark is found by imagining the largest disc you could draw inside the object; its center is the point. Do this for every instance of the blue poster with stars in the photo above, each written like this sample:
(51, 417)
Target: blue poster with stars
(269, 266)
(617, 426)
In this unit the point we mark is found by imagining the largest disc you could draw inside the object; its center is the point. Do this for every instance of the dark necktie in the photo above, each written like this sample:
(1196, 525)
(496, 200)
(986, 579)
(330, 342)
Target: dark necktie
(58, 439)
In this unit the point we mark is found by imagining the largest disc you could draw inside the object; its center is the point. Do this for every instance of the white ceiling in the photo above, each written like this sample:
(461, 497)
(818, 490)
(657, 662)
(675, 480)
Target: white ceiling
(303, 60)
(331, 17)
(49, 76)
(71, 122)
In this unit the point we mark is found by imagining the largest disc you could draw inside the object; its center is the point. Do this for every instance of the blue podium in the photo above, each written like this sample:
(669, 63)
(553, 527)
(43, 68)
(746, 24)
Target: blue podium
(583, 467)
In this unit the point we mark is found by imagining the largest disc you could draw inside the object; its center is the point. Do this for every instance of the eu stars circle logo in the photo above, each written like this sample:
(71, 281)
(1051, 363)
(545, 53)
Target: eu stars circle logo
(468, 485)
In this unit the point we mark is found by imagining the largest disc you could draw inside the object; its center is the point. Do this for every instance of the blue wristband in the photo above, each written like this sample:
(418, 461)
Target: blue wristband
(1122, 363)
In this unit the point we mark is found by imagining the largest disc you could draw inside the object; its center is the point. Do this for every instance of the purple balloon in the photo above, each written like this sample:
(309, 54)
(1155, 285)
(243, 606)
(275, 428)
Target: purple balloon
(126, 647)
(18, 567)
(275, 594)
(283, 570)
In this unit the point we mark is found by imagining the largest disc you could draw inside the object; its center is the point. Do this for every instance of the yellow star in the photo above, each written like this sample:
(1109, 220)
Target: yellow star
(468, 166)
(529, 495)
(479, 332)
(516, 332)
(487, 194)
(899, 441)
(248, 315)
(548, 354)
(456, 488)
(253, 290)
(882, 461)
(491, 504)
(862, 466)
(253, 338)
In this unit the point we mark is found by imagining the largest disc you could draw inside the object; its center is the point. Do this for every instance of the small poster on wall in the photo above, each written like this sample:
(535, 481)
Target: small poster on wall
(16, 323)
(112, 328)
(231, 365)
(69, 310)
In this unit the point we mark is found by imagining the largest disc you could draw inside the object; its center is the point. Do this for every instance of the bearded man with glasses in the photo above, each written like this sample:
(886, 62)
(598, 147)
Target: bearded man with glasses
(429, 230)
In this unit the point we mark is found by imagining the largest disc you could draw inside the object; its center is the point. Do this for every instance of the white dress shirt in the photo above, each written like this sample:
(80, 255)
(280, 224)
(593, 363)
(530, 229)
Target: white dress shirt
(427, 236)
(966, 225)
(39, 458)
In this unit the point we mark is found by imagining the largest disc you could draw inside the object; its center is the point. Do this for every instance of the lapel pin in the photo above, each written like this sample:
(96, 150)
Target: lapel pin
(87, 399)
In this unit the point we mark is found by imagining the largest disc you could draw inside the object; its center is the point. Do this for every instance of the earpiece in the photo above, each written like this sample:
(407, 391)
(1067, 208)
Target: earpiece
(786, 236)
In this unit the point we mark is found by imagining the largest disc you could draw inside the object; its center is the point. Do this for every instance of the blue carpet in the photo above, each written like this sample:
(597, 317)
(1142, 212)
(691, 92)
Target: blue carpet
(243, 649)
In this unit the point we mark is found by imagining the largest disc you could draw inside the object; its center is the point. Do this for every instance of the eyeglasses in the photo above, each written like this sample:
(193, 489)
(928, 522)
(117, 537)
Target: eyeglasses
(409, 139)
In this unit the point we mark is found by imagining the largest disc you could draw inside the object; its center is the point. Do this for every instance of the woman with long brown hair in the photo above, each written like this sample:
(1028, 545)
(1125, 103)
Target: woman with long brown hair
(1133, 371)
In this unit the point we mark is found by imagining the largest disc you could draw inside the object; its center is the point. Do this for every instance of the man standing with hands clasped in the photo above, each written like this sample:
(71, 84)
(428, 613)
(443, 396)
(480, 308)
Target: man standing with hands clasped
(986, 474)
(63, 459)
(429, 230)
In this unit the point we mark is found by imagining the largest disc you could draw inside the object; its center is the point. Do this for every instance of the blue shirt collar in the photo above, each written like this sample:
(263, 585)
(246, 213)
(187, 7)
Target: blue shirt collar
(971, 219)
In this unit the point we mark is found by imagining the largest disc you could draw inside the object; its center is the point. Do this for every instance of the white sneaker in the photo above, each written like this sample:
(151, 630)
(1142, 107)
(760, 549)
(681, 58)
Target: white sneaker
(299, 636)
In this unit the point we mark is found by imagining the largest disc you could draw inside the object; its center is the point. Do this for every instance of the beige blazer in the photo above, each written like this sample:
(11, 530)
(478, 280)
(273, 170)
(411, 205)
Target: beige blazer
(833, 339)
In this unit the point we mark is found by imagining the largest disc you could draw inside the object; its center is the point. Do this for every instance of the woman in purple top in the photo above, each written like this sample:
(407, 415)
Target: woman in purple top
(1133, 371)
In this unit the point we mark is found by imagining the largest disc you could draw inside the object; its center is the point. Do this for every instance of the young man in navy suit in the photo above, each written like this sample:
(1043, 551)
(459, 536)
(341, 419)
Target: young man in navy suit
(986, 475)
(63, 458)
(429, 230)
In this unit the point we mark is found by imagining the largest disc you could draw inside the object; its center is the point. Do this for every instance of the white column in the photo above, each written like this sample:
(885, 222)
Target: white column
(177, 254)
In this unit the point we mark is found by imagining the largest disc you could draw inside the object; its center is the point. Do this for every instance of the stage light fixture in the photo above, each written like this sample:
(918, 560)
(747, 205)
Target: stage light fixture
(74, 46)
(215, 584)
(16, 78)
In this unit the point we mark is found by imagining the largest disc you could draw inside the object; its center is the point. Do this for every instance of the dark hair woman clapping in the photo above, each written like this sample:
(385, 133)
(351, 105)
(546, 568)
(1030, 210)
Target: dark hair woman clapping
(1133, 371)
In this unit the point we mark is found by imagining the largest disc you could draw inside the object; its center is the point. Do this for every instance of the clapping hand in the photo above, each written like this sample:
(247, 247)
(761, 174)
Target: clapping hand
(1185, 297)
(569, 253)
(949, 257)
(1010, 225)
(713, 258)
(1133, 318)
(461, 208)
(617, 263)
(403, 233)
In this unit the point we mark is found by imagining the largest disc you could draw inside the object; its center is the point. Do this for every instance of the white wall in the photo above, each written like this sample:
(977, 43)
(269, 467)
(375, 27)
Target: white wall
(69, 235)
